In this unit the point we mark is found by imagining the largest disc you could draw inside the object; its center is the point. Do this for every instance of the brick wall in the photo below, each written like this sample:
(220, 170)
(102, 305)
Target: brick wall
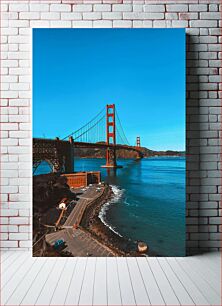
(201, 18)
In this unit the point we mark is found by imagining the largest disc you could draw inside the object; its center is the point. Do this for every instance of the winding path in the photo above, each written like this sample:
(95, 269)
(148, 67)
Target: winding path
(78, 241)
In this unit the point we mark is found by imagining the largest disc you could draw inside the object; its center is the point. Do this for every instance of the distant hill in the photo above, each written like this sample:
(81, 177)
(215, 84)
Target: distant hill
(101, 153)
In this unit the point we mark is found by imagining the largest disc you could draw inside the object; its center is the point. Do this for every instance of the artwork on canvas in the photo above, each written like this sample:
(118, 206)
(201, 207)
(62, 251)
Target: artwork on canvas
(109, 142)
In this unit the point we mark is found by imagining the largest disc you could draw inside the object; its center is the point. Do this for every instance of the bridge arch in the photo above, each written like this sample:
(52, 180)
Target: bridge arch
(57, 153)
(48, 162)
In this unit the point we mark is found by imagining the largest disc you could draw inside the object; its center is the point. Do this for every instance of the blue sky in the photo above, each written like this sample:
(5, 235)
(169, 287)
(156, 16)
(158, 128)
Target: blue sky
(76, 72)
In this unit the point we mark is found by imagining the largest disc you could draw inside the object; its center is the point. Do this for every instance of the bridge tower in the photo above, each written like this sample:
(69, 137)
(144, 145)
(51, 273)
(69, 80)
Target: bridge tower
(110, 137)
(138, 142)
(138, 147)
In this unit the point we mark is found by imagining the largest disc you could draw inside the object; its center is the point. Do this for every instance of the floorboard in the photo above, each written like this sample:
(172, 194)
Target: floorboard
(100, 283)
(207, 291)
(182, 295)
(28, 280)
(38, 284)
(168, 292)
(64, 282)
(10, 261)
(86, 294)
(21, 290)
(211, 259)
(8, 287)
(192, 289)
(113, 284)
(13, 269)
(4, 255)
(126, 289)
(48, 290)
(75, 286)
(213, 279)
(152, 287)
(141, 295)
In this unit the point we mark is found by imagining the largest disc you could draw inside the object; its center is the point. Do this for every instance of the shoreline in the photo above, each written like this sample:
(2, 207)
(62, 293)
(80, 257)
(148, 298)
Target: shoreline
(87, 210)
(92, 223)
(105, 207)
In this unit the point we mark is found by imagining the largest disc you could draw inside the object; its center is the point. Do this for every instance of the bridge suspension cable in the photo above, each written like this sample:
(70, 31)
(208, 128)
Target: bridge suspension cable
(89, 128)
(120, 130)
(75, 133)
(95, 130)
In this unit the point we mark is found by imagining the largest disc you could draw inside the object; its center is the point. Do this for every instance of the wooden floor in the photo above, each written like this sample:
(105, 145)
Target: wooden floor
(110, 281)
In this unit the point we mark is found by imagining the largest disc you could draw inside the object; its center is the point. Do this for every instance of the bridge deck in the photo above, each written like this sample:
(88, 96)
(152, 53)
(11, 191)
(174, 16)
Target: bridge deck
(82, 144)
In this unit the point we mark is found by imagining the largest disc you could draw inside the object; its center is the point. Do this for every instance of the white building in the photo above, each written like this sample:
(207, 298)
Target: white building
(62, 205)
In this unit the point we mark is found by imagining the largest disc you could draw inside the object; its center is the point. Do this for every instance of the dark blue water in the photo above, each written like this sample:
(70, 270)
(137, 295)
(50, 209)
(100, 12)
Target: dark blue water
(149, 203)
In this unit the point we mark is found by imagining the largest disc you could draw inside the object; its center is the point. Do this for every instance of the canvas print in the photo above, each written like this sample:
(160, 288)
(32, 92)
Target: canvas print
(108, 142)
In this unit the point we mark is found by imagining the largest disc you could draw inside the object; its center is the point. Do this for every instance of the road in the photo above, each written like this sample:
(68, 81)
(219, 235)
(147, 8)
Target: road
(78, 241)
(85, 199)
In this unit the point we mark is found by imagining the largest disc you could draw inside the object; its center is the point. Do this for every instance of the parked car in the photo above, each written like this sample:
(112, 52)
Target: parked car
(59, 244)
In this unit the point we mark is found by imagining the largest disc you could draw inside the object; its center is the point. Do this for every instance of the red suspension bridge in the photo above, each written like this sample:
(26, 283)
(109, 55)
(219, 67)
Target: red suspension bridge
(104, 131)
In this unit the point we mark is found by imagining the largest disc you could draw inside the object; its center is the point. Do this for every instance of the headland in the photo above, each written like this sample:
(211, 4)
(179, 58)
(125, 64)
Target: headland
(72, 220)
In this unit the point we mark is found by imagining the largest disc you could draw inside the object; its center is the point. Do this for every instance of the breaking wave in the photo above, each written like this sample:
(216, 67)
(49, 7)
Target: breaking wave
(117, 194)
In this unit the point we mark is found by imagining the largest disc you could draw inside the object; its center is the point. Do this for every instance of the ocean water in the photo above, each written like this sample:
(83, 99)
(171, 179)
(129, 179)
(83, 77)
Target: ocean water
(149, 201)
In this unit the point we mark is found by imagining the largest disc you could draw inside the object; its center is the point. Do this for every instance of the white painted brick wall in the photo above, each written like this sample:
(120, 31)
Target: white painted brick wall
(204, 91)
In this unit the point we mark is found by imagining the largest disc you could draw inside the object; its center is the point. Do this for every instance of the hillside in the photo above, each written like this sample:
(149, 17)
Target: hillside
(101, 153)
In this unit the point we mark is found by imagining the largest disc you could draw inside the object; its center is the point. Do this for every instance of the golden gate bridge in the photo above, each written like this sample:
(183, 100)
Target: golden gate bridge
(103, 131)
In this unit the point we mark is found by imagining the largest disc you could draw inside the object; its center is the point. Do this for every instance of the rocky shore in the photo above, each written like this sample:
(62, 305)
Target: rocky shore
(93, 224)
(48, 190)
